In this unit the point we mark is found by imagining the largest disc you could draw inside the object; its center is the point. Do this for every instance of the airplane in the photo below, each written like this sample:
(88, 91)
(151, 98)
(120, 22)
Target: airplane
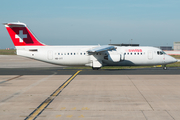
(95, 56)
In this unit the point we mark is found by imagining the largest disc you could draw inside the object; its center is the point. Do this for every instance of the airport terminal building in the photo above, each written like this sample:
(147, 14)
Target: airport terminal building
(176, 45)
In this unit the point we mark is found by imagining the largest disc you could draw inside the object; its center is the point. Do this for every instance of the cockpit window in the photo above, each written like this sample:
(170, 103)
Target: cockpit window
(160, 52)
(163, 52)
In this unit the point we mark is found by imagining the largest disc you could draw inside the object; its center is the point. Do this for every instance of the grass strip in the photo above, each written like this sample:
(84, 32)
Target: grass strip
(7, 52)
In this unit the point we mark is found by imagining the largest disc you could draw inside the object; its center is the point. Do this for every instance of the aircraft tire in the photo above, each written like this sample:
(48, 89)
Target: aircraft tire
(165, 68)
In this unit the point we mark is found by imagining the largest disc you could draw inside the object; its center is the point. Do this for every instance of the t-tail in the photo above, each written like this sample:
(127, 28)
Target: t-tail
(21, 35)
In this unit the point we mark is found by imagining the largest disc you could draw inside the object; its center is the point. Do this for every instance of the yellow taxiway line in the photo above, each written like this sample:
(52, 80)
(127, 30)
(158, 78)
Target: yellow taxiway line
(44, 104)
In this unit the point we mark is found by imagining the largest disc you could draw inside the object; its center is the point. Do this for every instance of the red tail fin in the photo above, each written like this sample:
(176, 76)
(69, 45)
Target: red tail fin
(21, 35)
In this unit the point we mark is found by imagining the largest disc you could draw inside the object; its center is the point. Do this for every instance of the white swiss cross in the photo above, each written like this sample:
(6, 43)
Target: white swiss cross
(21, 36)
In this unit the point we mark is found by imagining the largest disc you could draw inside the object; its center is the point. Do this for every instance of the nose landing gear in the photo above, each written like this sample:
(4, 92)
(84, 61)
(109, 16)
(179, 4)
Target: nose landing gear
(164, 67)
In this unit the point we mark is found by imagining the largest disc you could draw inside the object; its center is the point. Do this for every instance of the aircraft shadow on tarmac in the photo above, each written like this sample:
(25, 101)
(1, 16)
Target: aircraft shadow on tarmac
(60, 71)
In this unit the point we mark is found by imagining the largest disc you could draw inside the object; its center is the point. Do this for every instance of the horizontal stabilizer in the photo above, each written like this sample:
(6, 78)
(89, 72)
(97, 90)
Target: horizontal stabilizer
(16, 24)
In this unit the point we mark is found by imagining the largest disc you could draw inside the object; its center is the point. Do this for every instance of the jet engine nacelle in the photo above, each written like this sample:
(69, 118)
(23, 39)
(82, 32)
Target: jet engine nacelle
(113, 58)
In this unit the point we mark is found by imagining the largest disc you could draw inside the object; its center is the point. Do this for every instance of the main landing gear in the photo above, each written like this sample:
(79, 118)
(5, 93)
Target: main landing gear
(96, 68)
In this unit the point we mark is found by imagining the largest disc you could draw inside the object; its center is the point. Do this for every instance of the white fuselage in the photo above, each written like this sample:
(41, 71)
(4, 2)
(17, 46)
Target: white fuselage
(79, 55)
(95, 56)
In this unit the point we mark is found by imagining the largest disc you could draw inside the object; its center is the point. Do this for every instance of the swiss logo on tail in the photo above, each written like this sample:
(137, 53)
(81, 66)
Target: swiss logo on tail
(21, 35)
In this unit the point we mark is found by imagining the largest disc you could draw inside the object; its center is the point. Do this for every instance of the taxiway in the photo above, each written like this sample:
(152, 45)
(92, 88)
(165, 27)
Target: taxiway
(50, 92)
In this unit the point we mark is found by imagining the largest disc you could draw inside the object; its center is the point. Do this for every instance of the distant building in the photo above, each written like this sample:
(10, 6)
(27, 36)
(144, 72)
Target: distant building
(176, 45)
(125, 44)
(165, 47)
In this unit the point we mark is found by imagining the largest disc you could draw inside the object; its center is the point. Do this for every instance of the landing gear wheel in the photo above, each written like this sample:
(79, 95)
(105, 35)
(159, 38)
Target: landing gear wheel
(164, 67)
(96, 68)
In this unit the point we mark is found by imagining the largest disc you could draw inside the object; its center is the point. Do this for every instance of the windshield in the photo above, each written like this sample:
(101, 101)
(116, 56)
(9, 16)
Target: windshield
(160, 52)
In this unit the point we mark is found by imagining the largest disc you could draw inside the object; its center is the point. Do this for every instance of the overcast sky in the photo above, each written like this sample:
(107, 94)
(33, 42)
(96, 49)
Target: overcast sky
(92, 22)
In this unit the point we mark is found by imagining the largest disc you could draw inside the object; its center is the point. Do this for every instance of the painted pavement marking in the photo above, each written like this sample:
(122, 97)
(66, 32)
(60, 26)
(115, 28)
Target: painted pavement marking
(43, 105)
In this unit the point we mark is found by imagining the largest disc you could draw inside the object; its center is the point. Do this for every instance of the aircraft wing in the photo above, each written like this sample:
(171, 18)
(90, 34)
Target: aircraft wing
(102, 49)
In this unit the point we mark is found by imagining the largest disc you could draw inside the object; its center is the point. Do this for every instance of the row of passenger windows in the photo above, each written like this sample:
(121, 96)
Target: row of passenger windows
(132, 53)
(79, 54)
(96, 54)
(158, 52)
(71, 53)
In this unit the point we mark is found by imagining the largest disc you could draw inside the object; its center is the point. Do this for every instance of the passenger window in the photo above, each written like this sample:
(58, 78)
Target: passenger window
(61, 53)
(81, 53)
(67, 53)
(131, 53)
(58, 53)
(74, 53)
(134, 53)
(128, 53)
(84, 53)
(141, 53)
(138, 53)
(124, 53)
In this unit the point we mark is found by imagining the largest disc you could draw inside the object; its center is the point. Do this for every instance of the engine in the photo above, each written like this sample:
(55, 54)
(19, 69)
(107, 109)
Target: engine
(113, 57)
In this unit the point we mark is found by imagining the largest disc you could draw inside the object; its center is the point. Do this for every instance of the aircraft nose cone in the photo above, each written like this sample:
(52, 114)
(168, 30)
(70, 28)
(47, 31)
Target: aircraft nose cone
(174, 60)
(171, 59)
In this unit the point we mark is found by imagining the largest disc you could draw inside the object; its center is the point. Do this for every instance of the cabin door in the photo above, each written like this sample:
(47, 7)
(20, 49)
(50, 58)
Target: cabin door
(150, 55)
(50, 55)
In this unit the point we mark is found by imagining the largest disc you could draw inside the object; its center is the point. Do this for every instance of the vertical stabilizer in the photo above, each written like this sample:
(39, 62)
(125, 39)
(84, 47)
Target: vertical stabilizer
(21, 35)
